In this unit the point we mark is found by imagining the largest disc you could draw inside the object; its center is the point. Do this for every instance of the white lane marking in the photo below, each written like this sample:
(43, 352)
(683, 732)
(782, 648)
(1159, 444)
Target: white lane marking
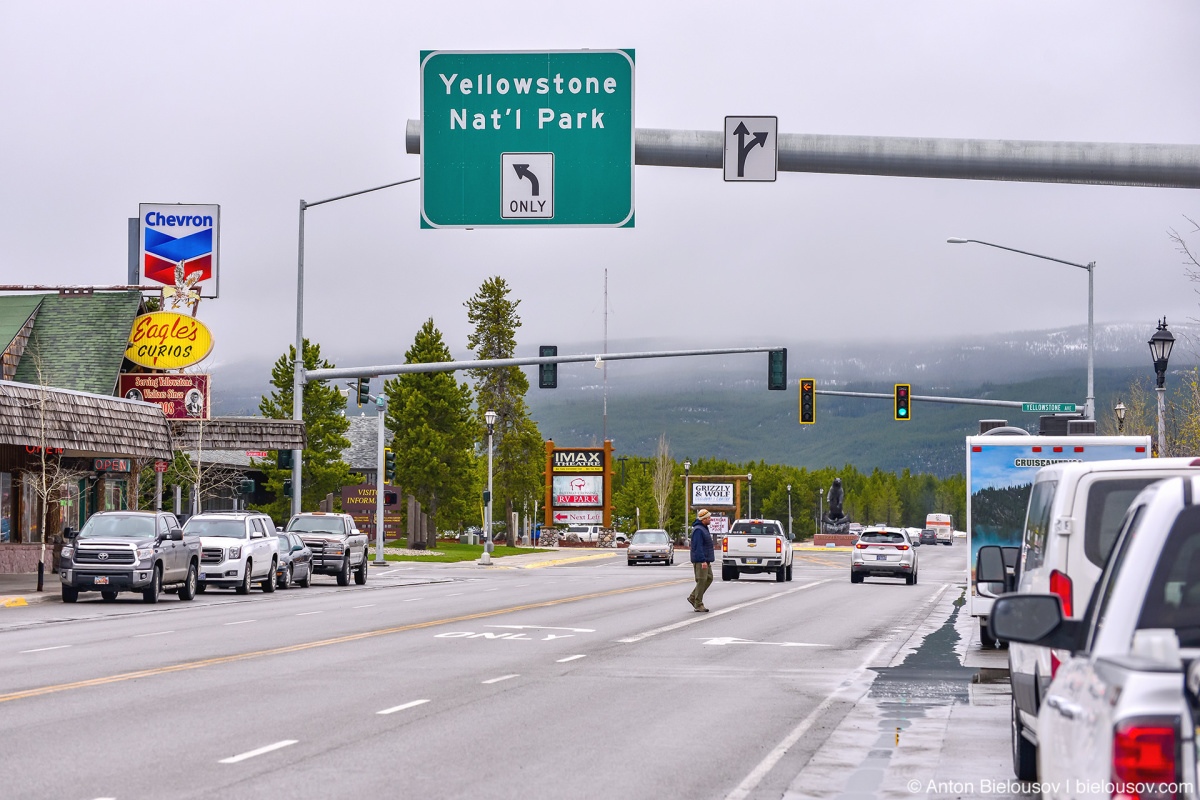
(503, 678)
(160, 633)
(413, 599)
(519, 585)
(692, 621)
(493, 590)
(260, 751)
(368, 605)
(44, 649)
(394, 709)
(306, 613)
(748, 784)
(240, 622)
(390, 571)
(570, 658)
(456, 594)
(724, 640)
(542, 628)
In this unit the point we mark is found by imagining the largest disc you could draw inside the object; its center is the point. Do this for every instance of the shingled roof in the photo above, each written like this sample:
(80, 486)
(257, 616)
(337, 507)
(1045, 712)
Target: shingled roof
(239, 433)
(17, 314)
(82, 423)
(80, 341)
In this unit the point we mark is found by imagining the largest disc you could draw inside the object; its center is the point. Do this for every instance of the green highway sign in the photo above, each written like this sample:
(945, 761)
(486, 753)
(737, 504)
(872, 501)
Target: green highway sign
(1049, 408)
(523, 138)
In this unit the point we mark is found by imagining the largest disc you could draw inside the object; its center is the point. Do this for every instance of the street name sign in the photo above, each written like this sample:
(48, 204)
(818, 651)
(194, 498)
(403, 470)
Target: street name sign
(751, 148)
(1049, 408)
(527, 138)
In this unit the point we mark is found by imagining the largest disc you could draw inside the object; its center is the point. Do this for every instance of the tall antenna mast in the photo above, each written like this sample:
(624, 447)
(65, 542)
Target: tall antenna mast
(605, 439)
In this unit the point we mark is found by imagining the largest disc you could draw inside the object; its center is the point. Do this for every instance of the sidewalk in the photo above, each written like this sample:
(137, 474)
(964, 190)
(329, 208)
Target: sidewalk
(19, 589)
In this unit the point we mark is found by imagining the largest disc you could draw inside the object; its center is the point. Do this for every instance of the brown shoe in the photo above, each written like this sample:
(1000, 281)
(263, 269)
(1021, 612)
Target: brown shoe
(691, 602)
(702, 608)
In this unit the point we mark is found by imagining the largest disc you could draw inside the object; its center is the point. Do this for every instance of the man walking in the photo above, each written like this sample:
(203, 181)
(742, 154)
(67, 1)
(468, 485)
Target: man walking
(702, 558)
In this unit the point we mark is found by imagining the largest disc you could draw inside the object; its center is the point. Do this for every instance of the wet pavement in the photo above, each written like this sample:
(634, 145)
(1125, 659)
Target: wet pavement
(925, 726)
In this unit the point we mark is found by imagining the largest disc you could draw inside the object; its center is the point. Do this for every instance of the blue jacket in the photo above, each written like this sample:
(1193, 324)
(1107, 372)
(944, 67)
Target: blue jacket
(702, 543)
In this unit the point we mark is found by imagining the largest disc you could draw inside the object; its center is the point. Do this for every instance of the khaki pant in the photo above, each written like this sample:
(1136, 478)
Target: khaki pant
(703, 579)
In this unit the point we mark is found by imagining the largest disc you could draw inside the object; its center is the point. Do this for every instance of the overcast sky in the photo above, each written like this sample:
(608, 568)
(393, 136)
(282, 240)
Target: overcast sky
(256, 105)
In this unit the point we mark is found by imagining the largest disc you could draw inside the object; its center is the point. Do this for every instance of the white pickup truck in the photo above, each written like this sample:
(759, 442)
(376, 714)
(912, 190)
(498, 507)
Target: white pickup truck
(755, 545)
(1119, 719)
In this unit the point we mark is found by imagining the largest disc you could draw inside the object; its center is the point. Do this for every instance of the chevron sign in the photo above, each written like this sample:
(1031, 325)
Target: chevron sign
(181, 242)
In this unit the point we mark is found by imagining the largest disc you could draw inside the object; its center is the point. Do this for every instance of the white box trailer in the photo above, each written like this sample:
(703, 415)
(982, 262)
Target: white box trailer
(1000, 472)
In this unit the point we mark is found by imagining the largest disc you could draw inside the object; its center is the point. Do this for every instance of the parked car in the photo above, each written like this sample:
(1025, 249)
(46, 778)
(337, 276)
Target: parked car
(883, 553)
(337, 546)
(650, 545)
(1120, 710)
(756, 546)
(239, 550)
(928, 536)
(295, 561)
(129, 551)
(1073, 517)
(586, 533)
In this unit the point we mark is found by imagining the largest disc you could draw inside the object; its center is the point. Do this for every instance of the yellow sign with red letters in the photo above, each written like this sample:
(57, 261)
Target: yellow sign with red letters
(166, 340)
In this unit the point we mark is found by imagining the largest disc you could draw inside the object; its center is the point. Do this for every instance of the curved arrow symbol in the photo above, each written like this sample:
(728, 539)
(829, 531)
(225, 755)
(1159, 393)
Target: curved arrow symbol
(523, 172)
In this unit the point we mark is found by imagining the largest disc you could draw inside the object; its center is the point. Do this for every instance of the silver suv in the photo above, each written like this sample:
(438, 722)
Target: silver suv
(238, 549)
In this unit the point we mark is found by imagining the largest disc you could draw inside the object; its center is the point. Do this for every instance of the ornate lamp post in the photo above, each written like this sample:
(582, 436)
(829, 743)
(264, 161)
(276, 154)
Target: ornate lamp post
(750, 502)
(687, 497)
(490, 418)
(1119, 409)
(1160, 350)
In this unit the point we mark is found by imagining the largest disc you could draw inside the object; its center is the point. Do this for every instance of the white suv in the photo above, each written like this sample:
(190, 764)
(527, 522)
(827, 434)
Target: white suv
(238, 549)
(1074, 515)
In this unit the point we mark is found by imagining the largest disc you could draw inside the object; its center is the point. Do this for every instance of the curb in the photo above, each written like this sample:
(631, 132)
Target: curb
(17, 601)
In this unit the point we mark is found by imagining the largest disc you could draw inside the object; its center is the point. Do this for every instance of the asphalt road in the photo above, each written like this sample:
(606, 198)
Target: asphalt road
(592, 679)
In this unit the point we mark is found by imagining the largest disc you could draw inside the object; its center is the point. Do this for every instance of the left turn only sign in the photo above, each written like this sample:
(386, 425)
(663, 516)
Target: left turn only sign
(527, 186)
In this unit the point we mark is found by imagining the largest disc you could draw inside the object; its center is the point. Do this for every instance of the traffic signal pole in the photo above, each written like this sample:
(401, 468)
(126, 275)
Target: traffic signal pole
(380, 480)
(962, 401)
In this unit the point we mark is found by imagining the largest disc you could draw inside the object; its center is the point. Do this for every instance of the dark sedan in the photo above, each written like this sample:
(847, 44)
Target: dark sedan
(295, 561)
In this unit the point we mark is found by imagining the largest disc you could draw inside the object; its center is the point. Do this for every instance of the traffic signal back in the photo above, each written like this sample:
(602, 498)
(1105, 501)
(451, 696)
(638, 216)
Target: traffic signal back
(777, 369)
(903, 400)
(547, 373)
(363, 391)
(808, 414)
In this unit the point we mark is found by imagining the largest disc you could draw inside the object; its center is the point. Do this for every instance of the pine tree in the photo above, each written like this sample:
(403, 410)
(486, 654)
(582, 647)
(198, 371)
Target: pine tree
(323, 470)
(519, 451)
(435, 433)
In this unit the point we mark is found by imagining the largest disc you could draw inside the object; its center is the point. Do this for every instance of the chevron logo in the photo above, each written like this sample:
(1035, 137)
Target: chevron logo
(164, 251)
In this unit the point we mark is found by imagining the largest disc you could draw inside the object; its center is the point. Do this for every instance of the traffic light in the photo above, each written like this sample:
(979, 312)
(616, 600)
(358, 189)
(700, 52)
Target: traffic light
(903, 396)
(777, 369)
(547, 373)
(389, 464)
(287, 487)
(808, 414)
(389, 498)
(283, 459)
(363, 389)
(487, 497)
(246, 486)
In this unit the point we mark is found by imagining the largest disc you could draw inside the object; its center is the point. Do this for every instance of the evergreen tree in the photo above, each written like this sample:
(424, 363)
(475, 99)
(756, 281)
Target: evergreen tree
(325, 425)
(435, 433)
(519, 452)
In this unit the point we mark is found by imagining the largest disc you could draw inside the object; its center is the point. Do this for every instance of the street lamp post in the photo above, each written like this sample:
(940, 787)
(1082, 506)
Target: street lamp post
(1119, 410)
(750, 501)
(820, 506)
(1090, 408)
(1160, 350)
(489, 417)
(687, 496)
(789, 510)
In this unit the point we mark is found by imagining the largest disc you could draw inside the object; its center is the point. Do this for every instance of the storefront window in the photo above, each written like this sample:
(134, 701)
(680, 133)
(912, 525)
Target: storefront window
(31, 518)
(114, 495)
(6, 507)
(71, 506)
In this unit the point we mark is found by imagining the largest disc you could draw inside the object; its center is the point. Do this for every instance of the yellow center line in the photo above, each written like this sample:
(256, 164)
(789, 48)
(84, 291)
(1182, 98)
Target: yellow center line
(295, 648)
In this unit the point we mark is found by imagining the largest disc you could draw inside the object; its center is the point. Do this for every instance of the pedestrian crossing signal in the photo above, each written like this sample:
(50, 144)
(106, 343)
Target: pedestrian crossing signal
(547, 373)
(903, 396)
(777, 370)
(807, 410)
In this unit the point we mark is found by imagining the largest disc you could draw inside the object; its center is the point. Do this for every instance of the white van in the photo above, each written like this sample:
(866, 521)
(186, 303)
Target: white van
(943, 526)
(1071, 523)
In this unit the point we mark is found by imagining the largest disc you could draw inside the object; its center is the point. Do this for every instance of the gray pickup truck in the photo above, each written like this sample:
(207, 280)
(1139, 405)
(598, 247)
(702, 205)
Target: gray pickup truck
(1120, 716)
(129, 551)
(337, 546)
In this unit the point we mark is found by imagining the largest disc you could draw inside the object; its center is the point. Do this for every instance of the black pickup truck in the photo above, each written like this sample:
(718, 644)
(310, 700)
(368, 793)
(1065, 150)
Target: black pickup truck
(129, 551)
